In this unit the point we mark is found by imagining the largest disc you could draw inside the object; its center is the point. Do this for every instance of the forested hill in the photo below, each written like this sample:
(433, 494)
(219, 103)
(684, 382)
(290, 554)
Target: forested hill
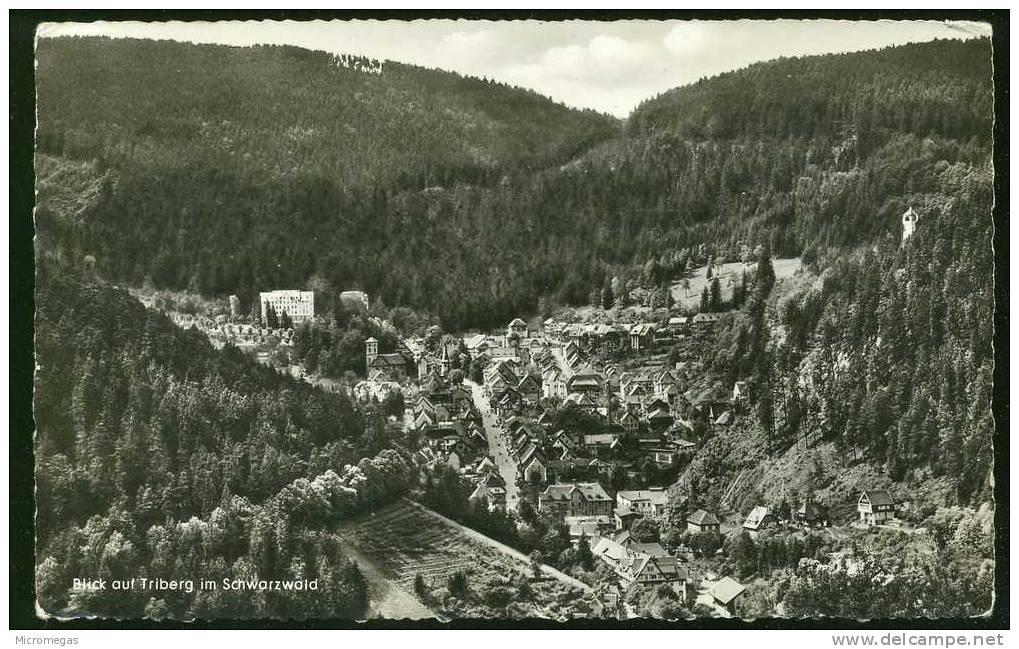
(938, 88)
(803, 153)
(160, 457)
(471, 200)
(281, 111)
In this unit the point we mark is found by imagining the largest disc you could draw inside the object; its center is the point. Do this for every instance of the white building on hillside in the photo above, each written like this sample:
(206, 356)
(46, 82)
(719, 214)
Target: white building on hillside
(298, 305)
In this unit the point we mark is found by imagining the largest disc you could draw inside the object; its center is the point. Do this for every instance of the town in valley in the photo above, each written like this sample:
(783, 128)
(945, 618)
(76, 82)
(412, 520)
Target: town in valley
(450, 349)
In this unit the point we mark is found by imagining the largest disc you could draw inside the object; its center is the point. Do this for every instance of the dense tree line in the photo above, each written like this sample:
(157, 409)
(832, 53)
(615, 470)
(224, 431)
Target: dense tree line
(281, 111)
(478, 248)
(953, 577)
(158, 456)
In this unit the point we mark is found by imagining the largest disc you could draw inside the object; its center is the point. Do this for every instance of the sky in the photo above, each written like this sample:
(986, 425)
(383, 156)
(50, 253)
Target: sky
(608, 66)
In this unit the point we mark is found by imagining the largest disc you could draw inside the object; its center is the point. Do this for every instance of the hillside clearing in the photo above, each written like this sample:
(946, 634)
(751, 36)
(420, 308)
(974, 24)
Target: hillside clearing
(687, 292)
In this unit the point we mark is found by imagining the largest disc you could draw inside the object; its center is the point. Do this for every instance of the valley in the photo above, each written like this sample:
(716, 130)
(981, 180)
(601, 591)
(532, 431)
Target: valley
(458, 351)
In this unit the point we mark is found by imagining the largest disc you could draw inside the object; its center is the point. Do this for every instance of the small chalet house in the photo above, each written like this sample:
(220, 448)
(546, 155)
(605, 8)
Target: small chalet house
(740, 392)
(875, 507)
(725, 593)
(812, 514)
(575, 499)
(702, 521)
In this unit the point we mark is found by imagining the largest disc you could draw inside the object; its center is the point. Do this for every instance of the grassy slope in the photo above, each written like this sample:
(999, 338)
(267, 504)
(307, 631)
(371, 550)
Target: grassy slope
(729, 275)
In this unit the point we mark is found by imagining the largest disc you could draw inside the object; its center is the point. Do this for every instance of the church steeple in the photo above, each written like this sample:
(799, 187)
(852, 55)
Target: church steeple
(444, 361)
(371, 351)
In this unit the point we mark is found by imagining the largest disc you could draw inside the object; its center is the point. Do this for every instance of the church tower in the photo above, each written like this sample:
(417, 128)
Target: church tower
(371, 352)
(909, 220)
(444, 362)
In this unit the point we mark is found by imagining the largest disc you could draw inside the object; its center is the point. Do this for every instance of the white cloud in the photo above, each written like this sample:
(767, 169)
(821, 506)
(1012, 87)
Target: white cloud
(474, 45)
(689, 39)
(604, 58)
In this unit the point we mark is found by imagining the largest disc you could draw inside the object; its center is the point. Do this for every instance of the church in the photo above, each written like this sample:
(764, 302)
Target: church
(396, 366)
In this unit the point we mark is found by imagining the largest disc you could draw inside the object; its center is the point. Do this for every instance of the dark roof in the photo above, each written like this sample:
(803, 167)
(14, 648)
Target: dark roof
(880, 497)
(389, 360)
(811, 511)
(701, 517)
(590, 491)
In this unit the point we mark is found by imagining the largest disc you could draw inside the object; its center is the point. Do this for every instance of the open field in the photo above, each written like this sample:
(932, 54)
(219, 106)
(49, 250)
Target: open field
(403, 541)
(729, 276)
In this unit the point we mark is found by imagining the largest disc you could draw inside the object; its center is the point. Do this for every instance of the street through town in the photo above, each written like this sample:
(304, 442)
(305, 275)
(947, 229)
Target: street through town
(497, 446)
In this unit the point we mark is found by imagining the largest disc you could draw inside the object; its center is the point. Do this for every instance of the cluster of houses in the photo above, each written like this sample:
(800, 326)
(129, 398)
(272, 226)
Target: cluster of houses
(652, 412)
(451, 428)
(640, 336)
(590, 513)
(452, 434)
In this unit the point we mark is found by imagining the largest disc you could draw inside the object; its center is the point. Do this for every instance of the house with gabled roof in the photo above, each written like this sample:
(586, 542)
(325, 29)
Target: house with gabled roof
(740, 392)
(723, 419)
(629, 421)
(678, 323)
(575, 499)
(583, 401)
(633, 565)
(486, 465)
(529, 388)
(702, 521)
(491, 490)
(553, 383)
(812, 514)
(520, 445)
(509, 402)
(424, 418)
(662, 457)
(544, 418)
(600, 444)
(875, 507)
(517, 327)
(533, 466)
(571, 348)
(585, 380)
(642, 336)
(725, 592)
(424, 403)
(658, 420)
